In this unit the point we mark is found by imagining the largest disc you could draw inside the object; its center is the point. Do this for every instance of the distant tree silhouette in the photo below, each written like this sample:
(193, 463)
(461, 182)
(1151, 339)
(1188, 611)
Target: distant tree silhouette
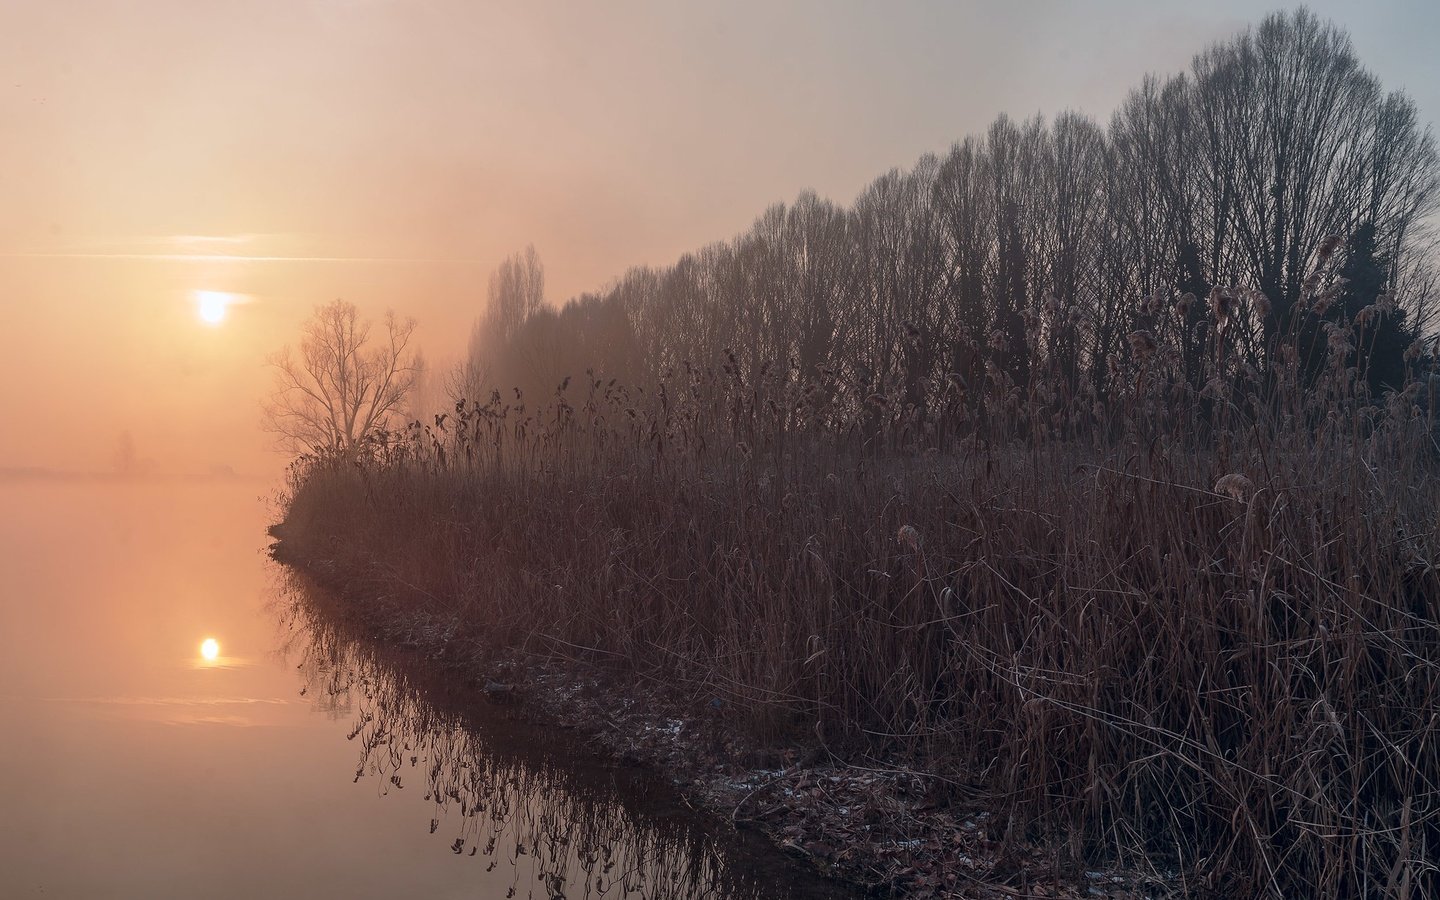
(516, 294)
(126, 460)
(428, 393)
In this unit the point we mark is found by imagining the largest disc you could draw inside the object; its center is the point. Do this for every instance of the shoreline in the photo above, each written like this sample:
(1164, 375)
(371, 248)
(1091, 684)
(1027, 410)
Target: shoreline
(881, 831)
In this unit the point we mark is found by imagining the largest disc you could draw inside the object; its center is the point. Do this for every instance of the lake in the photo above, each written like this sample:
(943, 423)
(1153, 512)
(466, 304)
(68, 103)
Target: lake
(282, 759)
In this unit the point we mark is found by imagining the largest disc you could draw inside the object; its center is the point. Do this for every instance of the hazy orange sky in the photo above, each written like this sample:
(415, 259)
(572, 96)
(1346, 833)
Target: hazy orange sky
(398, 149)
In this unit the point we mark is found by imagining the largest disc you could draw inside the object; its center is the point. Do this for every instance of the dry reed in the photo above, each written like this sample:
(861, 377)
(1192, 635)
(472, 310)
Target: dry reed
(1194, 627)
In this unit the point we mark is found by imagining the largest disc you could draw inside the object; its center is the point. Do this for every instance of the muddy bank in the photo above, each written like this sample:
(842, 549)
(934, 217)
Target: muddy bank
(879, 828)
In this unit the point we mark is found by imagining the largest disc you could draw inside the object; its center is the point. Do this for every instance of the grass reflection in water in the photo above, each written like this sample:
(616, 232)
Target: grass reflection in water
(545, 817)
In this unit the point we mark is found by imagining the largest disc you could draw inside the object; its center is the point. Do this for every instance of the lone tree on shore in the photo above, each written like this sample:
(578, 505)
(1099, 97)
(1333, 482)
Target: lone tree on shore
(343, 384)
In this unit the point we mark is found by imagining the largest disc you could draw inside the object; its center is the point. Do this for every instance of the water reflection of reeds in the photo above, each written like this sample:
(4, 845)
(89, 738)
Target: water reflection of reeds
(565, 823)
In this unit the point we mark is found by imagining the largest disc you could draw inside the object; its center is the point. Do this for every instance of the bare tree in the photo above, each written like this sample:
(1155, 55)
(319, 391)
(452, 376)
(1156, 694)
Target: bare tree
(428, 394)
(516, 293)
(342, 385)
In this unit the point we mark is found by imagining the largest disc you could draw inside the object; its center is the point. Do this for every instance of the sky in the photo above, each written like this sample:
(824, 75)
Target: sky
(393, 152)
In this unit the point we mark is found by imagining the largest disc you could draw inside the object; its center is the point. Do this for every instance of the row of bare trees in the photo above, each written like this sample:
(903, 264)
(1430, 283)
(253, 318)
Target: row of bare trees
(1041, 246)
(1275, 171)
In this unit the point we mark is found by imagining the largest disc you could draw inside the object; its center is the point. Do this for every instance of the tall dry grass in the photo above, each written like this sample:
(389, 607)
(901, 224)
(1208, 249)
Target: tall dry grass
(1187, 626)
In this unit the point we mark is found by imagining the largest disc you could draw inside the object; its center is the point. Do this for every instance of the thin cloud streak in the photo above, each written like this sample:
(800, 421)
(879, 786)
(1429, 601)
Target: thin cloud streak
(211, 239)
(226, 257)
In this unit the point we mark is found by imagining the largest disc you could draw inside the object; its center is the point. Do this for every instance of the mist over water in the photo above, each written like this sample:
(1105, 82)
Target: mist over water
(969, 448)
(136, 766)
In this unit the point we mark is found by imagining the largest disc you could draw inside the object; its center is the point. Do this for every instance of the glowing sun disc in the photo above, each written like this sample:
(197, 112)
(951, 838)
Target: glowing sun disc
(210, 649)
(212, 306)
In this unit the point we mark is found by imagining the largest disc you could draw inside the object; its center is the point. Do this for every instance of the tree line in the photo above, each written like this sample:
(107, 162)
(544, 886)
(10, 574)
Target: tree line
(1273, 199)
(1273, 189)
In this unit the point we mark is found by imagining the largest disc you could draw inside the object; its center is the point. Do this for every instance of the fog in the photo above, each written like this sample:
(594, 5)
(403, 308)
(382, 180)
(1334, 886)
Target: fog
(392, 153)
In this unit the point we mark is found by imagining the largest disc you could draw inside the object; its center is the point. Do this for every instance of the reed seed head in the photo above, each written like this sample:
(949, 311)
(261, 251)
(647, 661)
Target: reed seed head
(1223, 304)
(1142, 344)
(1337, 338)
(1235, 486)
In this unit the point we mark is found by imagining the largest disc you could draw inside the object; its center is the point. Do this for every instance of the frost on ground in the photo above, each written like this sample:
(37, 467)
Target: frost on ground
(886, 828)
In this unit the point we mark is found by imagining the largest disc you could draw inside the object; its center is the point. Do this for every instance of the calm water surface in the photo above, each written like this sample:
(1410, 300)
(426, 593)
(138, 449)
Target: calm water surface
(293, 763)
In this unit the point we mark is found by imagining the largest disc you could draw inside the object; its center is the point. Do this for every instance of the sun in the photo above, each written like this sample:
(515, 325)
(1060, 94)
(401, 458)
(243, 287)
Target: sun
(210, 649)
(212, 306)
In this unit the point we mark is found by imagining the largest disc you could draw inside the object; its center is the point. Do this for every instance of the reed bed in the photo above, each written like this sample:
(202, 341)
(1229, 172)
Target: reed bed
(1192, 628)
